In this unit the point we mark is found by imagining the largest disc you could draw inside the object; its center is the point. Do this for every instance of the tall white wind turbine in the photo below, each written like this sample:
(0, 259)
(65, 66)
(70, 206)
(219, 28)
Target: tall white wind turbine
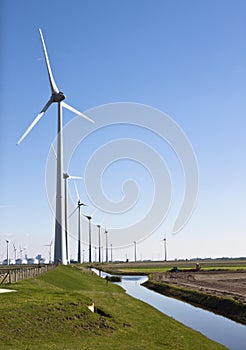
(59, 97)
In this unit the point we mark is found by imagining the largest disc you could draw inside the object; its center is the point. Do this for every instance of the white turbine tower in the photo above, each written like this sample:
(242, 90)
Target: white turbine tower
(67, 177)
(79, 225)
(15, 250)
(56, 96)
(49, 245)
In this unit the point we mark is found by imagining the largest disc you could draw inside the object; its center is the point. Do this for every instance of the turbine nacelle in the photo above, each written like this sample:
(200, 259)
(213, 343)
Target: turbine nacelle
(58, 97)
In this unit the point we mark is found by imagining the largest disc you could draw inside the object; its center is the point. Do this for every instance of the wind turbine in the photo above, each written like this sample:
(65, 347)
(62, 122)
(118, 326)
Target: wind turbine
(106, 234)
(99, 243)
(111, 249)
(79, 229)
(7, 251)
(66, 177)
(135, 250)
(49, 245)
(15, 250)
(89, 219)
(21, 251)
(58, 97)
(165, 248)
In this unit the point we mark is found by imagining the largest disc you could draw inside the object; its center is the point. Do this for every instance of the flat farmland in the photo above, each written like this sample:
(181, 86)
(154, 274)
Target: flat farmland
(228, 284)
(148, 267)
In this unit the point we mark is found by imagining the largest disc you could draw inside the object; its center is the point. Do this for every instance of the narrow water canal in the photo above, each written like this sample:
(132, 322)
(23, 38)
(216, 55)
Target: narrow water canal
(219, 328)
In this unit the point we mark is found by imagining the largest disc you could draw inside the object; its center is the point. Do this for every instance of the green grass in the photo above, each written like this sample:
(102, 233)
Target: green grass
(148, 267)
(149, 270)
(50, 312)
(224, 268)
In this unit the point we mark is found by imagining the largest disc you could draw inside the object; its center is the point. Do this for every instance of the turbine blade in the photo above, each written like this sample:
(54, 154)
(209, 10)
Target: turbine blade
(73, 212)
(77, 192)
(54, 151)
(75, 177)
(54, 198)
(70, 108)
(94, 212)
(53, 85)
(38, 117)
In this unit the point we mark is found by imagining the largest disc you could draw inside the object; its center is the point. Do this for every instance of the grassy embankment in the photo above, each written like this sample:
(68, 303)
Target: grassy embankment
(51, 312)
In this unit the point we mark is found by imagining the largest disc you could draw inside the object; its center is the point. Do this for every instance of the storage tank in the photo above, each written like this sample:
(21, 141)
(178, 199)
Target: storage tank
(21, 261)
(32, 261)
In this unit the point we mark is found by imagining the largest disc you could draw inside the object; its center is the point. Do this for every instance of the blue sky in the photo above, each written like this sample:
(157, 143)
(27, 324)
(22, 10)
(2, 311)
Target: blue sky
(185, 58)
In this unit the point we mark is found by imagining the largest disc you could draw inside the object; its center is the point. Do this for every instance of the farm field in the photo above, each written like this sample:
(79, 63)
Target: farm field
(228, 284)
(147, 267)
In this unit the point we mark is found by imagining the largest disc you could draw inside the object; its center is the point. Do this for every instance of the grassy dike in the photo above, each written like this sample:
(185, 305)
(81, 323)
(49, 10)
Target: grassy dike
(51, 312)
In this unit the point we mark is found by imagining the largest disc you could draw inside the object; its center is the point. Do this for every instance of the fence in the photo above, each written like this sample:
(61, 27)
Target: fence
(15, 274)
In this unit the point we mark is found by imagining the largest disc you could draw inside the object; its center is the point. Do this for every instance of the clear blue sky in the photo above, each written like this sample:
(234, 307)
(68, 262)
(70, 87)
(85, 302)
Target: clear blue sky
(185, 58)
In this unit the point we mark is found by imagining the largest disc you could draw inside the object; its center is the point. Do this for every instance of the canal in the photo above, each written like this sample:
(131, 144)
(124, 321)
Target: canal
(216, 327)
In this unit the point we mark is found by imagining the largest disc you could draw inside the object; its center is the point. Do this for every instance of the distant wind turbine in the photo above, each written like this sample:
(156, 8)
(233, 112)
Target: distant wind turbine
(58, 97)
(99, 243)
(15, 250)
(89, 219)
(67, 177)
(106, 234)
(79, 226)
(49, 245)
(165, 248)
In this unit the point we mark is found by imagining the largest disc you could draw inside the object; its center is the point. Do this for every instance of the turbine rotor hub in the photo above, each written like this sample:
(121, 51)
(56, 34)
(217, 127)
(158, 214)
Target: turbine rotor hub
(58, 97)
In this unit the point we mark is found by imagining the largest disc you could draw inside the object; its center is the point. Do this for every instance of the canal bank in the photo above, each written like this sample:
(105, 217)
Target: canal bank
(213, 326)
(230, 308)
